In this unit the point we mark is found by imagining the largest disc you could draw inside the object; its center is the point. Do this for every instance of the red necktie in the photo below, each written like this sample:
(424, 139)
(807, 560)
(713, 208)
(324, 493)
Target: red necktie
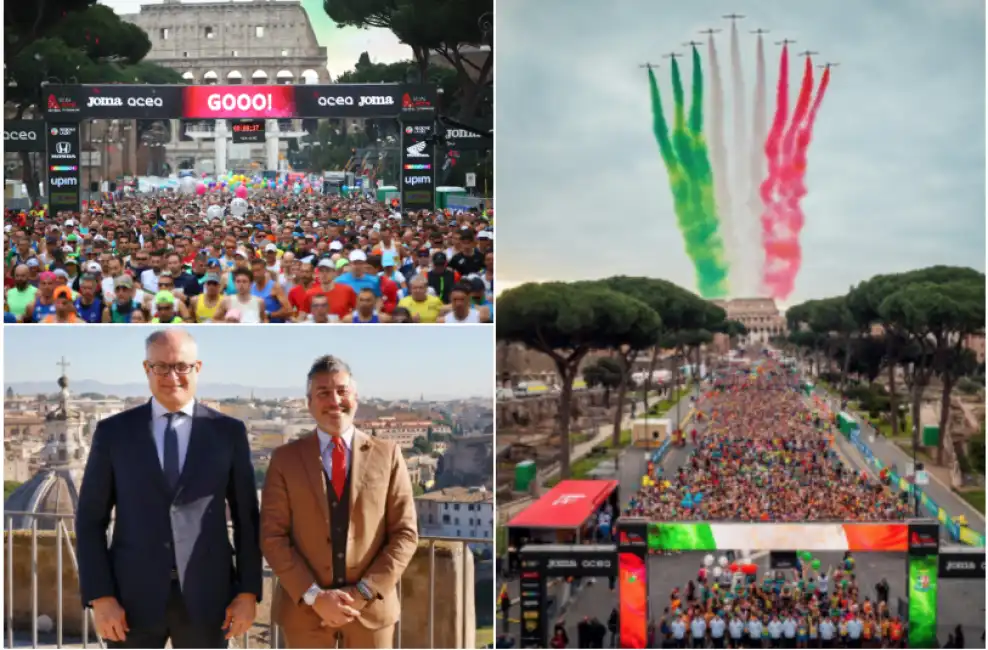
(339, 466)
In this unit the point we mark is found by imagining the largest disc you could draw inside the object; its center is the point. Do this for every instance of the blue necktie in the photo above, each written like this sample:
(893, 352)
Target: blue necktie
(171, 452)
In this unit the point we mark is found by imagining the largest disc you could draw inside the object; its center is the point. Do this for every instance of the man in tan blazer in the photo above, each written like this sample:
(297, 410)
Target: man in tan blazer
(337, 524)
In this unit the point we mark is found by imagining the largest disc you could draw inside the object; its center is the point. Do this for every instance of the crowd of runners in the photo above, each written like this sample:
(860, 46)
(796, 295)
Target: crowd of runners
(760, 454)
(800, 608)
(171, 257)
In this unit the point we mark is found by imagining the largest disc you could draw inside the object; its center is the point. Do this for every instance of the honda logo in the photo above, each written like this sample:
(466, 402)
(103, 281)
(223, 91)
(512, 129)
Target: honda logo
(63, 148)
(417, 150)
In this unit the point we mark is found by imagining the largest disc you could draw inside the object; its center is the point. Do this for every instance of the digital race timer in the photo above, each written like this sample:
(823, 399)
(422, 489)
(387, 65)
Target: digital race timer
(247, 131)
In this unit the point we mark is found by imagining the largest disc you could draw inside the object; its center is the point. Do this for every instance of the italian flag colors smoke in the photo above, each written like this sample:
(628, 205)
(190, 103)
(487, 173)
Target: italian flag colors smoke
(762, 225)
(684, 152)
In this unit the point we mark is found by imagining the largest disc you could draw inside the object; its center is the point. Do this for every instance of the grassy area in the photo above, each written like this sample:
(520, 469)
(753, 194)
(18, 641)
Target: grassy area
(582, 468)
(975, 497)
(885, 428)
(485, 636)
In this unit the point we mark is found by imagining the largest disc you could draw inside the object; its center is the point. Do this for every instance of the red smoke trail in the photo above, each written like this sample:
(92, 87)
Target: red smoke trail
(773, 141)
(771, 185)
(780, 237)
(782, 281)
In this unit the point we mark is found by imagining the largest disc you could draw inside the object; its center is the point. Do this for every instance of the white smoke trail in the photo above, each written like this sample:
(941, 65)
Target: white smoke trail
(718, 162)
(756, 170)
(742, 281)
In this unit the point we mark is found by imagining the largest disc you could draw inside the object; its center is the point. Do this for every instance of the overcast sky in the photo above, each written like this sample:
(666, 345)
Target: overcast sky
(896, 172)
(343, 46)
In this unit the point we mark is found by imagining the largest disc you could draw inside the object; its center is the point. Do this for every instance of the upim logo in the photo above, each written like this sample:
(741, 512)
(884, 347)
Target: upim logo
(60, 181)
(412, 181)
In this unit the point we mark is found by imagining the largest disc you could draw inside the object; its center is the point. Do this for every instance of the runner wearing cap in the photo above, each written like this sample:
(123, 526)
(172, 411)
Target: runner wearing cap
(203, 307)
(64, 309)
(357, 277)
(124, 304)
(166, 308)
(342, 298)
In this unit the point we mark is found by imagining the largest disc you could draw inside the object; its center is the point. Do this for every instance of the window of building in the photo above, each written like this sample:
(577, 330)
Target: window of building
(208, 32)
(456, 507)
(259, 31)
(445, 519)
(284, 53)
(185, 55)
(164, 32)
(233, 53)
(458, 533)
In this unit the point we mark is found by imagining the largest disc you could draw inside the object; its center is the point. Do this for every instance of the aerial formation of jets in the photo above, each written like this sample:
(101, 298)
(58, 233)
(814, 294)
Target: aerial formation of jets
(710, 31)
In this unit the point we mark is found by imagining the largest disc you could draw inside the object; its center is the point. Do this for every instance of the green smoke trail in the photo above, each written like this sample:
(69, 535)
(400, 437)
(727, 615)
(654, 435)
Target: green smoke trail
(699, 222)
(702, 173)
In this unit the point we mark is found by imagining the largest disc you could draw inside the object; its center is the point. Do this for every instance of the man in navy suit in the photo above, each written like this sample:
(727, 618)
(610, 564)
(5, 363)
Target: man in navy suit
(171, 468)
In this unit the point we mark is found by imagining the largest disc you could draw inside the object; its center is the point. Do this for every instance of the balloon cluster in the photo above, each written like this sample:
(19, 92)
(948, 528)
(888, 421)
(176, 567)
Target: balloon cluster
(807, 558)
(744, 566)
(239, 184)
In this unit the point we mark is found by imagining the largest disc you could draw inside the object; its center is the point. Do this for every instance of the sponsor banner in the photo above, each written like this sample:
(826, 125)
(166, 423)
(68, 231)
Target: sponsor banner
(139, 101)
(924, 539)
(922, 589)
(112, 101)
(419, 100)
(962, 565)
(632, 535)
(418, 165)
(231, 102)
(23, 135)
(817, 536)
(64, 158)
(459, 139)
(533, 605)
(572, 561)
(348, 100)
(632, 600)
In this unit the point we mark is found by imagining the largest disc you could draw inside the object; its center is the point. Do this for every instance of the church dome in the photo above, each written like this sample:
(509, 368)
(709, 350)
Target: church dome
(50, 491)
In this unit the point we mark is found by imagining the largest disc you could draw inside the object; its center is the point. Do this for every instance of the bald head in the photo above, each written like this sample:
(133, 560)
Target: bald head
(21, 275)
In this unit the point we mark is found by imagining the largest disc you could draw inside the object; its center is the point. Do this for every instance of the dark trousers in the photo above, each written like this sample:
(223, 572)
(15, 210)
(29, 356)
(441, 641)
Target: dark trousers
(177, 627)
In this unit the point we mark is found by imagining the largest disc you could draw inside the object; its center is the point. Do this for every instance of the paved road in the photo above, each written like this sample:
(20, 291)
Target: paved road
(890, 454)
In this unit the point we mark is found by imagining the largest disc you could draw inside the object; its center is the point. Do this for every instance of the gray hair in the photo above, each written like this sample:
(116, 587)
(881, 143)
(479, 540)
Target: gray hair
(327, 364)
(418, 279)
(163, 335)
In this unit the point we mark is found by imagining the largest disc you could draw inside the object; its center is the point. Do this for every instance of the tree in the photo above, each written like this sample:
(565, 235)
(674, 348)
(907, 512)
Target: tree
(442, 27)
(734, 330)
(421, 445)
(604, 372)
(934, 310)
(70, 41)
(565, 322)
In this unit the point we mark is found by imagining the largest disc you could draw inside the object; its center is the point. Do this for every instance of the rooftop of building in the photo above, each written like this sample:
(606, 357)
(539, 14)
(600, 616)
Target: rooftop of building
(459, 495)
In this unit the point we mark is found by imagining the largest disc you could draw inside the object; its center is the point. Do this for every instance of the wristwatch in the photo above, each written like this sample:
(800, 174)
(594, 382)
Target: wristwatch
(364, 590)
(309, 597)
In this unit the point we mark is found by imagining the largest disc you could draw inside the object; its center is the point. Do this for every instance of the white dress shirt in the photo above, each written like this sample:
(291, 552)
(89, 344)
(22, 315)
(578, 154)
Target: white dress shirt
(182, 424)
(326, 449)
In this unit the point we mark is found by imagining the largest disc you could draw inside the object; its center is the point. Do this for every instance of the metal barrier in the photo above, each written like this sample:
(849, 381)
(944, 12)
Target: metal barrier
(62, 535)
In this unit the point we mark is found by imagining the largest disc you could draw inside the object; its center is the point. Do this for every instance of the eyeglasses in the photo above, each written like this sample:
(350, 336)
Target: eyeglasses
(162, 369)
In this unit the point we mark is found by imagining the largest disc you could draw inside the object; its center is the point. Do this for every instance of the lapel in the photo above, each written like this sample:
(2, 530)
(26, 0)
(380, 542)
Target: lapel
(147, 451)
(312, 462)
(198, 441)
(358, 460)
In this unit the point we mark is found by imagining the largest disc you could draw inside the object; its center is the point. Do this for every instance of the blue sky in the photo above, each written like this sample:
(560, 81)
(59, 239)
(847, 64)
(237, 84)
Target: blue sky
(391, 362)
(896, 172)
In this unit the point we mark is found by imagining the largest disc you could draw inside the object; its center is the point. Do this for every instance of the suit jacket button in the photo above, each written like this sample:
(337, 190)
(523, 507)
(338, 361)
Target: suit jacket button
(168, 545)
